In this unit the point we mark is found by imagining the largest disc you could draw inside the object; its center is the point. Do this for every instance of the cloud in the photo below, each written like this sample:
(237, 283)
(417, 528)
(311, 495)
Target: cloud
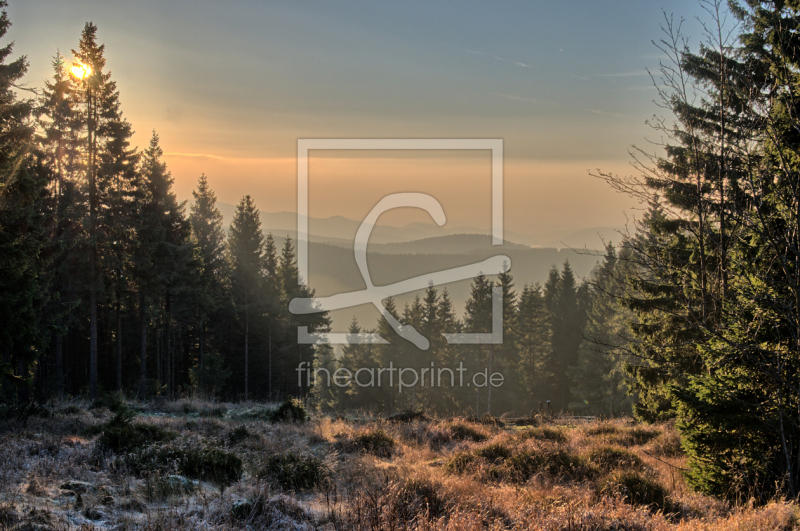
(623, 74)
(516, 98)
(517, 63)
(606, 113)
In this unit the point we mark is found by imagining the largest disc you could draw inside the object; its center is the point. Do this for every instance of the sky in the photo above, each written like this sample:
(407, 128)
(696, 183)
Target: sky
(231, 86)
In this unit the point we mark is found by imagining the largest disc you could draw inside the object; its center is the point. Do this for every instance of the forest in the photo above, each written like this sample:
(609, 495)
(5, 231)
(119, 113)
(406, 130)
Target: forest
(113, 291)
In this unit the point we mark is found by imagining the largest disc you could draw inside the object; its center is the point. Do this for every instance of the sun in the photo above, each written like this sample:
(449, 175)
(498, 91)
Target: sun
(80, 70)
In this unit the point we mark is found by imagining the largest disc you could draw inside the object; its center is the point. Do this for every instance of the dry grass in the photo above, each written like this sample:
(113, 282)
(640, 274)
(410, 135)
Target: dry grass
(331, 474)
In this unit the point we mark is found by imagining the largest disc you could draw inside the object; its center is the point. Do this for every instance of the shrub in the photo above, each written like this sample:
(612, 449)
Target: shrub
(609, 458)
(114, 402)
(557, 463)
(415, 497)
(407, 416)
(262, 512)
(237, 435)
(290, 411)
(120, 435)
(636, 489)
(544, 433)
(376, 442)
(296, 472)
(214, 465)
(460, 462)
(208, 464)
(463, 432)
(494, 452)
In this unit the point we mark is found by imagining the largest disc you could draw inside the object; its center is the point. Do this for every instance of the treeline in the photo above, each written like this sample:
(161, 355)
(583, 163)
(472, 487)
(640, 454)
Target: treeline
(563, 343)
(106, 281)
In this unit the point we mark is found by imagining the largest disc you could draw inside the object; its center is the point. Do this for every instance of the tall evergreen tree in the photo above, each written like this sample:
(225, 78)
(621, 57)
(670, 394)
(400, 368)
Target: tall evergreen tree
(209, 260)
(246, 248)
(23, 192)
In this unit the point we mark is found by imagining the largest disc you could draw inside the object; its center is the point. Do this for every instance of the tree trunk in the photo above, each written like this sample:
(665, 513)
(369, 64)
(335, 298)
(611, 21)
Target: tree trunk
(143, 351)
(60, 365)
(202, 355)
(246, 343)
(119, 344)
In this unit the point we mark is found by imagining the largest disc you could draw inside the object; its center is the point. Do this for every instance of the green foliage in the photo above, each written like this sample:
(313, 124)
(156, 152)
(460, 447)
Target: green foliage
(291, 410)
(120, 435)
(494, 452)
(294, 472)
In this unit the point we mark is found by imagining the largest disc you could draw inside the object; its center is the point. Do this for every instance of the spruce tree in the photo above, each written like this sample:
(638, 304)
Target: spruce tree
(23, 192)
(207, 291)
(534, 343)
(246, 250)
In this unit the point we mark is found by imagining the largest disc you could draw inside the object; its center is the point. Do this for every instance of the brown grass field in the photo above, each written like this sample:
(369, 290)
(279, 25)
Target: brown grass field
(175, 466)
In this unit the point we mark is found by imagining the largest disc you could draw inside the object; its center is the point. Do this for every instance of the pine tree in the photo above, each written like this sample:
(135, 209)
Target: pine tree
(161, 255)
(478, 319)
(23, 192)
(209, 261)
(567, 319)
(246, 248)
(599, 384)
(534, 343)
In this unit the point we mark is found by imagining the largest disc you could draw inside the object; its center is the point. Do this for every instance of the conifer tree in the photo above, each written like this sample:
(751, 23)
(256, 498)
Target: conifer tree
(23, 192)
(534, 343)
(209, 260)
(246, 248)
(478, 319)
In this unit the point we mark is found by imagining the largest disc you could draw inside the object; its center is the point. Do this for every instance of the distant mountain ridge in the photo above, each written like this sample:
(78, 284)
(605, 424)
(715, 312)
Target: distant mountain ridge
(339, 230)
(399, 253)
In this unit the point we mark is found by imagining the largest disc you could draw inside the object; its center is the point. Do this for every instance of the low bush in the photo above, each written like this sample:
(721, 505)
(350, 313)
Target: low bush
(609, 458)
(291, 410)
(294, 472)
(636, 489)
(121, 435)
(493, 452)
(376, 442)
(114, 402)
(545, 433)
(411, 498)
(463, 432)
(556, 463)
(207, 464)
(460, 462)
(237, 435)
